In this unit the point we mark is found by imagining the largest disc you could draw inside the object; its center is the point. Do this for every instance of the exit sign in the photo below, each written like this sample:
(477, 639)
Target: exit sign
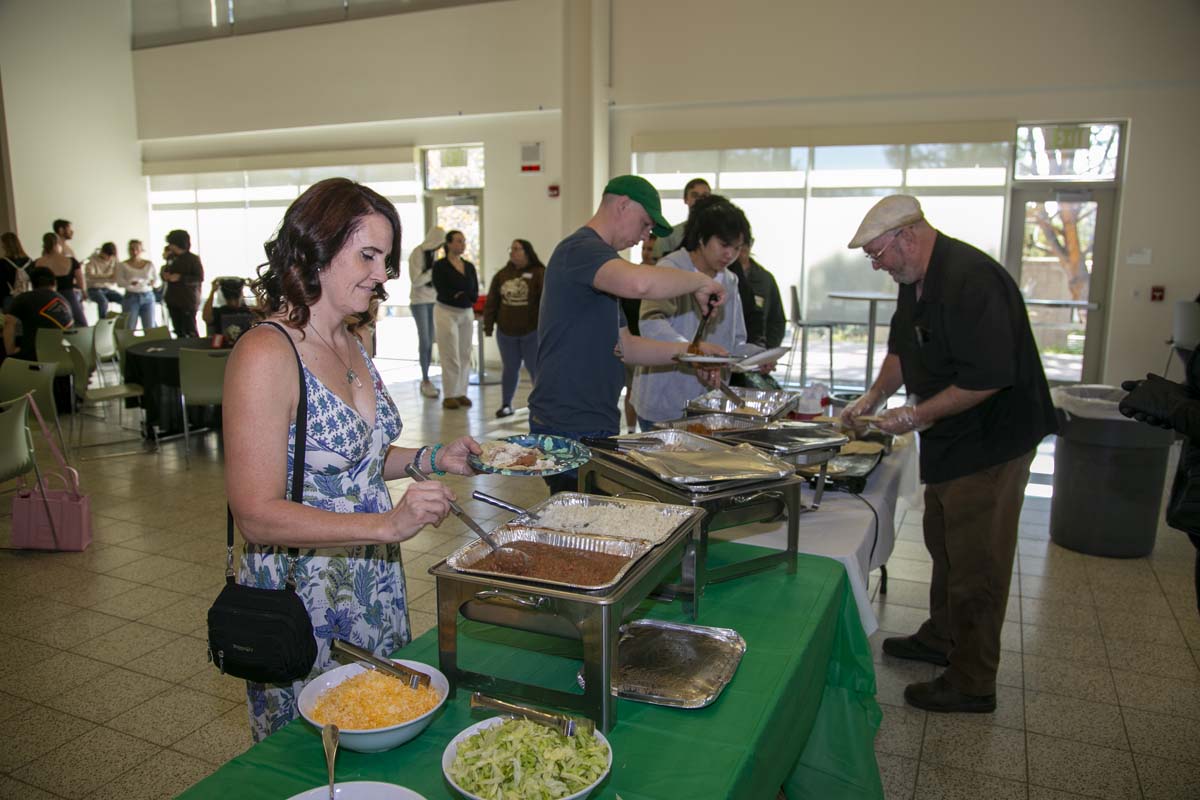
(1067, 137)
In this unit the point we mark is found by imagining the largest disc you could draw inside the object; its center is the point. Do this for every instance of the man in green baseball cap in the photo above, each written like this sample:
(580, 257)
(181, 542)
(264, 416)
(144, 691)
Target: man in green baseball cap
(644, 194)
(583, 337)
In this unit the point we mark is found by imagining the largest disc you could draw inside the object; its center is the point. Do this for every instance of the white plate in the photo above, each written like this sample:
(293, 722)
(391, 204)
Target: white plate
(691, 358)
(360, 790)
(765, 357)
(452, 750)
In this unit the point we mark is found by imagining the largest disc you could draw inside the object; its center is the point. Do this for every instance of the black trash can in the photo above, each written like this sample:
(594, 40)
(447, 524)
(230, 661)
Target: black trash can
(1109, 475)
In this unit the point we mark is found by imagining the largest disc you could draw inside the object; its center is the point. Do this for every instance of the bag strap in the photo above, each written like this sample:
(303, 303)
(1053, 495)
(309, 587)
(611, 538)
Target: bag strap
(297, 470)
(58, 456)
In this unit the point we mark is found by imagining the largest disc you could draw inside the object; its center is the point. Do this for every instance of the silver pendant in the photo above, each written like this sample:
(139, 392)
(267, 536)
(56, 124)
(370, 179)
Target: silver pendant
(352, 378)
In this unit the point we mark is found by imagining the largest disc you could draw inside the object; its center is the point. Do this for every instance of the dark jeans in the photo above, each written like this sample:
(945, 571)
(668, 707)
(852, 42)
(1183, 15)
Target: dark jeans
(102, 297)
(423, 316)
(971, 533)
(183, 321)
(514, 350)
(75, 301)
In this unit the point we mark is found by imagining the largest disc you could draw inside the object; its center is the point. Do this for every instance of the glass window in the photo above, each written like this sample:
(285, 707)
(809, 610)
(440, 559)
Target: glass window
(858, 166)
(965, 164)
(454, 168)
(763, 168)
(221, 187)
(671, 171)
(776, 224)
(1068, 152)
(166, 189)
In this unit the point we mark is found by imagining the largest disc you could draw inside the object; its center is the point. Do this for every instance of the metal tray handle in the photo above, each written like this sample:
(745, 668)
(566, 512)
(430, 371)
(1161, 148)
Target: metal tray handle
(744, 499)
(528, 601)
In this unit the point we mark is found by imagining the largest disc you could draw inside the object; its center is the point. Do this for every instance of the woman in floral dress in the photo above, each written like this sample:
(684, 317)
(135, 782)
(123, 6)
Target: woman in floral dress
(338, 243)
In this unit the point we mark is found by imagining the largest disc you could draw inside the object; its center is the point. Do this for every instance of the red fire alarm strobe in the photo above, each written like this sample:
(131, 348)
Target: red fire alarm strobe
(552, 190)
(1157, 293)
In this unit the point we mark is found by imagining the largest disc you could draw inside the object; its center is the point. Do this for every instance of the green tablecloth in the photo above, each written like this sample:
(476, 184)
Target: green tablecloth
(800, 712)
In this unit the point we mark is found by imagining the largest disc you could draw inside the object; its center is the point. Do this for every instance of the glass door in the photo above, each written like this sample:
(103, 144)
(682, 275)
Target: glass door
(1059, 252)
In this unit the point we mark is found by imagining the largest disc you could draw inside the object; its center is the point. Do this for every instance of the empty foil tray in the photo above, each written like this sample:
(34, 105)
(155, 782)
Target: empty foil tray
(674, 664)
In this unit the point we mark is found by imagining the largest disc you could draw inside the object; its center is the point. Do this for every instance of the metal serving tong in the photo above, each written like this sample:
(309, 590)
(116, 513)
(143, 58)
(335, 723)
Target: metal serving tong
(694, 346)
(567, 726)
(484, 497)
(733, 397)
(617, 443)
(508, 557)
(412, 677)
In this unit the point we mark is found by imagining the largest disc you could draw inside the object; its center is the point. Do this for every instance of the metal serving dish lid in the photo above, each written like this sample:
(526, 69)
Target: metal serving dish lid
(764, 405)
(674, 664)
(688, 458)
(787, 438)
(588, 514)
(465, 559)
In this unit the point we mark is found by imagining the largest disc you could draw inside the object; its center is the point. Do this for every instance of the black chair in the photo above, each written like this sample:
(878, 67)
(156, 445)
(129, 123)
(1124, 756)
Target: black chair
(800, 328)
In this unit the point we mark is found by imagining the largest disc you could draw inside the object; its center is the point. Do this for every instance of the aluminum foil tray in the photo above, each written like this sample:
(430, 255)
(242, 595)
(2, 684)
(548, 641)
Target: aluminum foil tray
(466, 557)
(715, 423)
(714, 463)
(592, 515)
(788, 438)
(674, 664)
(840, 468)
(765, 406)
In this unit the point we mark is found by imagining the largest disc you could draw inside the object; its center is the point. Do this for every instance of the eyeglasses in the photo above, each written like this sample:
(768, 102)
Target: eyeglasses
(875, 257)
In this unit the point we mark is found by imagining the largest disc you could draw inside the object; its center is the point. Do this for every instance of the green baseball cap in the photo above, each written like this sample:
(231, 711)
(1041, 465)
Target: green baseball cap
(641, 191)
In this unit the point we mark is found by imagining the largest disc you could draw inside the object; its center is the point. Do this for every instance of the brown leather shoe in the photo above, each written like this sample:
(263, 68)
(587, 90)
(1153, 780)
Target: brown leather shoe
(464, 401)
(908, 647)
(939, 696)
(450, 402)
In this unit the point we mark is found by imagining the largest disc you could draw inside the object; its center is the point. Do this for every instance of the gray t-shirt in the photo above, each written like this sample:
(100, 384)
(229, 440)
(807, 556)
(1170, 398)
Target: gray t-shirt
(579, 376)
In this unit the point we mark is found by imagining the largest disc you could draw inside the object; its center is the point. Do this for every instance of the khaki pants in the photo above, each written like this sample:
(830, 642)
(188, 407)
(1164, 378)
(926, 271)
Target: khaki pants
(454, 327)
(971, 533)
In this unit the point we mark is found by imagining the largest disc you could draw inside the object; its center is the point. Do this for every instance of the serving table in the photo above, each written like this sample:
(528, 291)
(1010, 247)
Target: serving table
(800, 711)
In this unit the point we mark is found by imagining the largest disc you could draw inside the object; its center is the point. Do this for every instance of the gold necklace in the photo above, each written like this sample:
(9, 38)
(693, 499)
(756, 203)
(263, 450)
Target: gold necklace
(351, 375)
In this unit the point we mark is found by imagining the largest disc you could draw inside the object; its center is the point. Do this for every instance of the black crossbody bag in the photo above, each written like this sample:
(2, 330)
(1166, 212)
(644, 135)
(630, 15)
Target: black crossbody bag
(265, 635)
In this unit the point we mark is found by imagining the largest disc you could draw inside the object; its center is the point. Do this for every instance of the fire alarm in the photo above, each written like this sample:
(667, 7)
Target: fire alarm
(1157, 293)
(552, 190)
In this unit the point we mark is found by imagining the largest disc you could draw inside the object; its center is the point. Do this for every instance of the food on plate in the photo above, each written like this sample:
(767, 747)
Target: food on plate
(862, 448)
(372, 699)
(506, 455)
(519, 758)
(628, 522)
(550, 562)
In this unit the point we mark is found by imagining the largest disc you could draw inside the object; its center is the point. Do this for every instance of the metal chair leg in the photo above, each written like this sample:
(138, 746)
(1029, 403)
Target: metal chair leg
(187, 440)
(804, 356)
(831, 382)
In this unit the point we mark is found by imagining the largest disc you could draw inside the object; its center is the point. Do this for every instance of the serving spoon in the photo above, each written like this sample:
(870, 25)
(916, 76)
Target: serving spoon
(329, 738)
(508, 559)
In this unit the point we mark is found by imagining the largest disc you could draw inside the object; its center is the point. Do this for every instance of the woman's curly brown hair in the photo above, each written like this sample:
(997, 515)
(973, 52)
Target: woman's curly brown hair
(314, 229)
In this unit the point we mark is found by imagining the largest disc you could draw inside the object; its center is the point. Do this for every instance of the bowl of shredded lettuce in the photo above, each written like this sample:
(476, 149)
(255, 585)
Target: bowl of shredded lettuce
(502, 758)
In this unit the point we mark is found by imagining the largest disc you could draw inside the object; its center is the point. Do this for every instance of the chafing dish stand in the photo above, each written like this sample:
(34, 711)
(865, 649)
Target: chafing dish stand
(594, 617)
(608, 474)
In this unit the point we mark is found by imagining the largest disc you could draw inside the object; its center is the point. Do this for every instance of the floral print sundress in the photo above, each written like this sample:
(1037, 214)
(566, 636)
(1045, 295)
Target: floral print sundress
(355, 593)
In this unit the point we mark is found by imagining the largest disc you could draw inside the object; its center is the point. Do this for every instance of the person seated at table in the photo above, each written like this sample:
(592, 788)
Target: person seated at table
(337, 245)
(715, 231)
(40, 307)
(101, 274)
(232, 319)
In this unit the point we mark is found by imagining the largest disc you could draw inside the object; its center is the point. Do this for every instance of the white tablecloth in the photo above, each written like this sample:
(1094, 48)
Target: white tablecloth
(844, 526)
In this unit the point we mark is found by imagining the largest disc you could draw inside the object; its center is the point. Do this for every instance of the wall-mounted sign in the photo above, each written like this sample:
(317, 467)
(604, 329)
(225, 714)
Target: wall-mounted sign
(531, 156)
(1067, 137)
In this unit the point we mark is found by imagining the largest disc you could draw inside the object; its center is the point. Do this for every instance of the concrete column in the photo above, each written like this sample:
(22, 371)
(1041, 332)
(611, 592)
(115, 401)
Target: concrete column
(585, 116)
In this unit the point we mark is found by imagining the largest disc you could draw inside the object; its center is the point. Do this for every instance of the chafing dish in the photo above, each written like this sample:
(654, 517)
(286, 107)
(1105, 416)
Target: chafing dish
(761, 406)
(799, 443)
(592, 617)
(711, 423)
(728, 504)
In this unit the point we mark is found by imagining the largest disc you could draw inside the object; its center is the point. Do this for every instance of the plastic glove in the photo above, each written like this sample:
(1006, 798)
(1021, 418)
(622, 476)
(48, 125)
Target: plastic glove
(902, 420)
(863, 406)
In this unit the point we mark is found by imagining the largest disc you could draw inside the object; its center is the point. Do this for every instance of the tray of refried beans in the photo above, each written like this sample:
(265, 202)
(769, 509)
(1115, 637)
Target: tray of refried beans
(578, 541)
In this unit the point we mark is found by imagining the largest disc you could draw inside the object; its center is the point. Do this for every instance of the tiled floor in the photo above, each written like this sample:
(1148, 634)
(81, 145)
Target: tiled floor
(105, 691)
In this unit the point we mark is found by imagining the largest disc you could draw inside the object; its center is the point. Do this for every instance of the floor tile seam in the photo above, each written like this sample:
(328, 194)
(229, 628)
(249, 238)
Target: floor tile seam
(1194, 681)
(15, 779)
(937, 765)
